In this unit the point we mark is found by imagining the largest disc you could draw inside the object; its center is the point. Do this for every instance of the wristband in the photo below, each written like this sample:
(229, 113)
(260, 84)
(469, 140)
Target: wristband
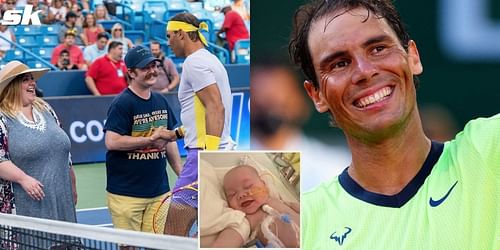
(212, 142)
(179, 132)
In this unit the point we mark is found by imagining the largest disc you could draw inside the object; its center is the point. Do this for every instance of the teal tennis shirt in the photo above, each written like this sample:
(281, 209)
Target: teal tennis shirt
(452, 203)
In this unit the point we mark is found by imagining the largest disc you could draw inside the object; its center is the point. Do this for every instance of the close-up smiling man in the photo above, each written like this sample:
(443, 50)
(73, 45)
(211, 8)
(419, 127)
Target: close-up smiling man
(401, 190)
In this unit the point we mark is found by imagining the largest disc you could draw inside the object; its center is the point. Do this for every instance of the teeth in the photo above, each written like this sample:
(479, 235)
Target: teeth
(374, 98)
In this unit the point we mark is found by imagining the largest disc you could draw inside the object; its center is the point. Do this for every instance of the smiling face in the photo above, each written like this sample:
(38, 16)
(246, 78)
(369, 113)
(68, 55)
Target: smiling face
(90, 20)
(145, 77)
(365, 75)
(244, 189)
(28, 85)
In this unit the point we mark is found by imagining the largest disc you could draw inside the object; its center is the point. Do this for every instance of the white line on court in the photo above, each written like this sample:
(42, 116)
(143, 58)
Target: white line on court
(91, 209)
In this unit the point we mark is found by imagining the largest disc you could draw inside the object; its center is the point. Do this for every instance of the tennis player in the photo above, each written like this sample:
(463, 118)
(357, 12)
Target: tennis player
(402, 190)
(205, 98)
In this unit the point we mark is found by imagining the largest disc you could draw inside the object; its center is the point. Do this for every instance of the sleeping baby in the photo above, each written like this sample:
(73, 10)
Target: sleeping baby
(273, 222)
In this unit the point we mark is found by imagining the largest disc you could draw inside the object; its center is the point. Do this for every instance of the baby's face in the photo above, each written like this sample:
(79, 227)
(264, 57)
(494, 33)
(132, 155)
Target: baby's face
(244, 189)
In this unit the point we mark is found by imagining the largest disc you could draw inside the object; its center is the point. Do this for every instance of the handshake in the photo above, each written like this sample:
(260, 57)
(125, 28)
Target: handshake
(161, 136)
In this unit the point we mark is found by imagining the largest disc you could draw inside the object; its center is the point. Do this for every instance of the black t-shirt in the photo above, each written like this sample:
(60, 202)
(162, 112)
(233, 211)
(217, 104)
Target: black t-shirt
(138, 173)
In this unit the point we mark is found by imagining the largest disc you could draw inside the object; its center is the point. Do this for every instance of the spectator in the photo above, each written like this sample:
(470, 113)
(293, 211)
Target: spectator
(7, 34)
(98, 49)
(168, 77)
(63, 63)
(118, 35)
(76, 54)
(37, 178)
(77, 9)
(9, 5)
(46, 16)
(233, 26)
(106, 76)
(101, 13)
(91, 29)
(70, 26)
(58, 11)
(240, 7)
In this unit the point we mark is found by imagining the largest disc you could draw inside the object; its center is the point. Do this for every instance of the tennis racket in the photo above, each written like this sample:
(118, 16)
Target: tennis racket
(177, 214)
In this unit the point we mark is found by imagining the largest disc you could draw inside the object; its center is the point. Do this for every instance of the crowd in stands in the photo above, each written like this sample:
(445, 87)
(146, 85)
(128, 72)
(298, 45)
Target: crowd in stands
(84, 44)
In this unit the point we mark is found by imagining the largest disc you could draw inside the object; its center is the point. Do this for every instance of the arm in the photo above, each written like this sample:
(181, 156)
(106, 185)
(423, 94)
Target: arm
(115, 141)
(91, 85)
(83, 36)
(81, 62)
(228, 238)
(210, 97)
(129, 43)
(34, 188)
(170, 67)
(174, 158)
(175, 81)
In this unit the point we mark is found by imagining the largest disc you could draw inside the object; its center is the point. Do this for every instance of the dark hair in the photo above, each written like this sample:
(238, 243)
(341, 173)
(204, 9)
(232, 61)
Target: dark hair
(154, 42)
(191, 19)
(102, 35)
(113, 45)
(64, 51)
(307, 14)
(70, 15)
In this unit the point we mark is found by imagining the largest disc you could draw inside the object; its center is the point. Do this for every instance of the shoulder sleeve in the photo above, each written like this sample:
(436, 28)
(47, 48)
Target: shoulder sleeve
(4, 149)
(200, 74)
(119, 117)
(173, 122)
(53, 113)
(483, 136)
(80, 56)
(228, 21)
(93, 69)
(86, 54)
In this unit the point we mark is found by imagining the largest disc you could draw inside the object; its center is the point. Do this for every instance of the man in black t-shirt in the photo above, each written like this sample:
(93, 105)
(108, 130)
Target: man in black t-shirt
(136, 159)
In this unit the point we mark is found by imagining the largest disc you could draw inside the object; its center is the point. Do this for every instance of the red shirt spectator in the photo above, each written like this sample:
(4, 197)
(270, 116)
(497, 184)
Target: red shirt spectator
(234, 26)
(76, 54)
(106, 75)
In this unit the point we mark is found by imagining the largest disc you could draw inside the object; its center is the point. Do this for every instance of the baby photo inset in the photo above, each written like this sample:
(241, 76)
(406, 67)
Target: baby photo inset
(249, 199)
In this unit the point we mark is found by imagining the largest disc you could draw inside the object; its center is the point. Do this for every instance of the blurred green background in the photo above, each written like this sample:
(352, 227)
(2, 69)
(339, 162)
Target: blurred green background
(468, 89)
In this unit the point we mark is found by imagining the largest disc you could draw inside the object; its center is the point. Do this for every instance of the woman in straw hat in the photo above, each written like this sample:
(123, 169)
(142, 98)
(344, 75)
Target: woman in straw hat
(34, 150)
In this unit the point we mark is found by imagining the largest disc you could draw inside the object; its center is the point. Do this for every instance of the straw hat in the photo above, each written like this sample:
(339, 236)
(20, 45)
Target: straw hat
(15, 68)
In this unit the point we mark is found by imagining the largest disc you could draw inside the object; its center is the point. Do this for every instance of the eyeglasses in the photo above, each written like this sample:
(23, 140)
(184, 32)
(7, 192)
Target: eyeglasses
(118, 29)
(10, 2)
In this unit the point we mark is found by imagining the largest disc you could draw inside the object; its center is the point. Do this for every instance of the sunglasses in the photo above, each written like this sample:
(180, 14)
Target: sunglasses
(118, 29)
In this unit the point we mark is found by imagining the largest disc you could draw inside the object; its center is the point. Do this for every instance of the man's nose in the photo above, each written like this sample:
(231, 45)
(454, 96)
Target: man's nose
(364, 69)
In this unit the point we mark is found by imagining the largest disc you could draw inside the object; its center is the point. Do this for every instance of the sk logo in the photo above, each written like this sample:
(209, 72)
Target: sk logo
(340, 239)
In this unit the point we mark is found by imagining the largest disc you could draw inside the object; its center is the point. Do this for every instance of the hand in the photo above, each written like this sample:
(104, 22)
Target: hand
(163, 133)
(33, 187)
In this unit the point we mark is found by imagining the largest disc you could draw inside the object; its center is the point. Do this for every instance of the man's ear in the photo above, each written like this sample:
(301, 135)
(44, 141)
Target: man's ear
(414, 58)
(316, 96)
(131, 74)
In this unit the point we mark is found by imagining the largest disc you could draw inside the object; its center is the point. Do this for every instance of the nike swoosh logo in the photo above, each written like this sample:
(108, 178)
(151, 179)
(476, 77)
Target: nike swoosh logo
(435, 203)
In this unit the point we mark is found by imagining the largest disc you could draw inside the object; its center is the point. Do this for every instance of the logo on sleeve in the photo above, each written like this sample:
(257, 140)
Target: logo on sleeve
(340, 238)
(435, 203)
